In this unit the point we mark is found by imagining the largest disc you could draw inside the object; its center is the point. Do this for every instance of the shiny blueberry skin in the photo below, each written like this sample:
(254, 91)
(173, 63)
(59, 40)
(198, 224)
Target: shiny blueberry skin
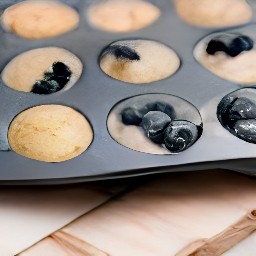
(154, 124)
(165, 108)
(132, 116)
(180, 135)
(231, 109)
(53, 81)
(45, 87)
(122, 52)
(61, 73)
(231, 44)
(246, 130)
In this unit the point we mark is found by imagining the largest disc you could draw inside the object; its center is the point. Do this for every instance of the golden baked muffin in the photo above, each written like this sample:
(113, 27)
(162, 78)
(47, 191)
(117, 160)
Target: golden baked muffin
(231, 56)
(139, 61)
(39, 19)
(217, 13)
(50, 133)
(122, 15)
(43, 70)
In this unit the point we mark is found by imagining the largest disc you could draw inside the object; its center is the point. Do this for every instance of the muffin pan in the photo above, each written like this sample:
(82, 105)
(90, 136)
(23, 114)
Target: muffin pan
(95, 94)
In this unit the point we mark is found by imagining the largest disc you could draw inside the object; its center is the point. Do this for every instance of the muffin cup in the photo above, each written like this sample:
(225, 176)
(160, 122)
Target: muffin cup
(95, 94)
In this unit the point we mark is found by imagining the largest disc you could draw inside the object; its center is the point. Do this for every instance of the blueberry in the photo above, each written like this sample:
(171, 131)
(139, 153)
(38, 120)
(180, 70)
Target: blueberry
(122, 52)
(165, 108)
(216, 45)
(48, 76)
(246, 130)
(45, 87)
(132, 116)
(239, 44)
(53, 81)
(232, 109)
(180, 135)
(154, 124)
(61, 73)
(59, 68)
(150, 107)
(231, 44)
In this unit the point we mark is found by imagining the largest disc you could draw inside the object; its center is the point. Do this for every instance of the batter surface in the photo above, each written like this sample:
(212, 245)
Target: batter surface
(50, 133)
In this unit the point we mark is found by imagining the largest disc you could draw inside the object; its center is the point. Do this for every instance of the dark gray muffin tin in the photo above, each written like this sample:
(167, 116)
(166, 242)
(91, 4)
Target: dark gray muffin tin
(95, 94)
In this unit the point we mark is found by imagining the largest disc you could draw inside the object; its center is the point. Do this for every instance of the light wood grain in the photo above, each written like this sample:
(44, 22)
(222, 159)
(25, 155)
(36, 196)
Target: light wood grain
(222, 242)
(29, 214)
(167, 213)
(76, 246)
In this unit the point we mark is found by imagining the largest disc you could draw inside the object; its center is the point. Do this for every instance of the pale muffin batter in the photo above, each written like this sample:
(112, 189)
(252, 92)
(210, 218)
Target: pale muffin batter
(122, 15)
(23, 71)
(214, 13)
(139, 61)
(39, 19)
(240, 68)
(133, 136)
(50, 133)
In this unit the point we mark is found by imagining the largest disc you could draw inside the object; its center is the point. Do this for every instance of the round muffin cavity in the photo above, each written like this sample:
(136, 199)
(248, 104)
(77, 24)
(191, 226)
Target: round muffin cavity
(50, 133)
(218, 13)
(230, 55)
(43, 71)
(155, 124)
(39, 19)
(237, 113)
(139, 61)
(122, 15)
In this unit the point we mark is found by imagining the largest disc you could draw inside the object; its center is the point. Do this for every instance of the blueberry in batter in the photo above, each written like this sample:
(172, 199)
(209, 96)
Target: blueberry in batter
(238, 115)
(158, 121)
(154, 124)
(231, 44)
(53, 81)
(133, 115)
(180, 135)
(246, 130)
(122, 52)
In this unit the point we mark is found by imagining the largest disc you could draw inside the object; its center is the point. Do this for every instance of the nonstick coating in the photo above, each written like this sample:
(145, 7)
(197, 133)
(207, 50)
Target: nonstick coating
(95, 94)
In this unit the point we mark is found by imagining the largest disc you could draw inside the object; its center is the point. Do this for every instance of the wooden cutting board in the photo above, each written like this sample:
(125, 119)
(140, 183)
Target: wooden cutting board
(160, 217)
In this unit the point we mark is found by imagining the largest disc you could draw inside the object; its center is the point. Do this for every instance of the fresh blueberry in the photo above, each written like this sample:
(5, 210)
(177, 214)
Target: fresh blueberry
(232, 109)
(240, 44)
(48, 76)
(59, 68)
(246, 130)
(180, 135)
(122, 52)
(231, 44)
(45, 87)
(154, 124)
(53, 81)
(216, 45)
(61, 73)
(165, 108)
(132, 116)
